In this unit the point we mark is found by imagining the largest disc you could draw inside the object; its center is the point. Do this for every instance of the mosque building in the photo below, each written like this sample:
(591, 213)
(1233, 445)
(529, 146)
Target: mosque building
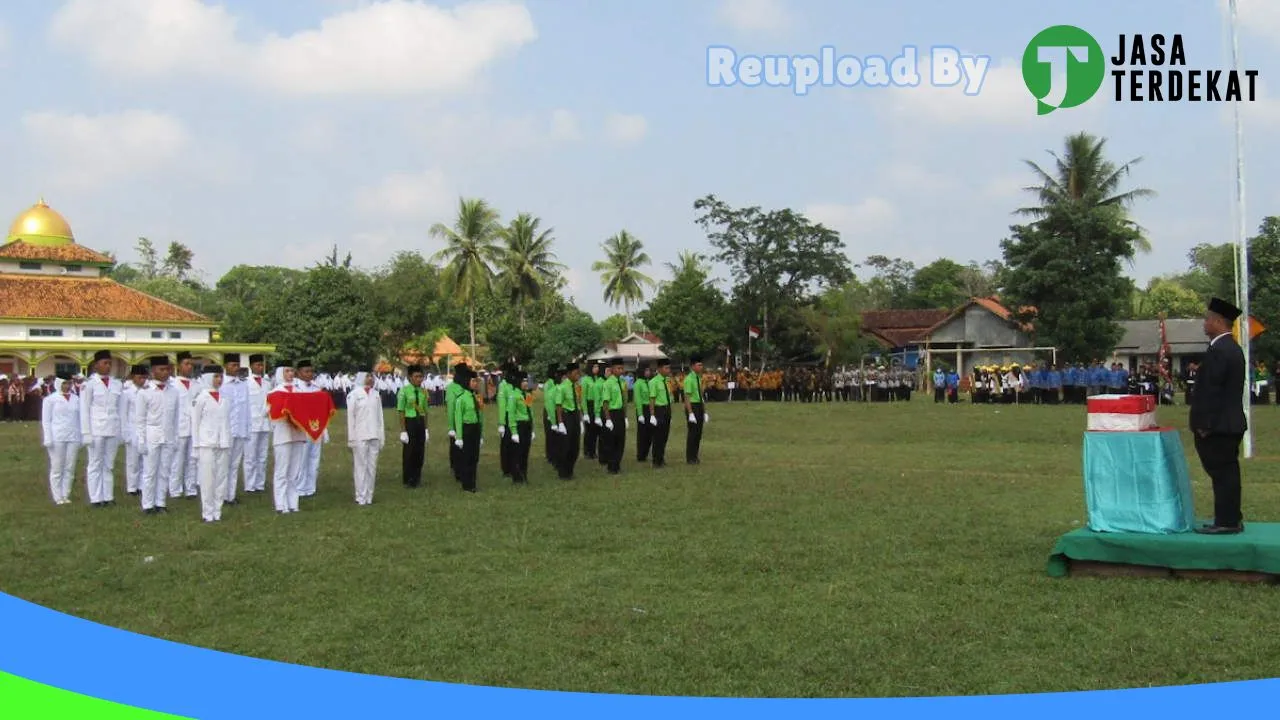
(58, 307)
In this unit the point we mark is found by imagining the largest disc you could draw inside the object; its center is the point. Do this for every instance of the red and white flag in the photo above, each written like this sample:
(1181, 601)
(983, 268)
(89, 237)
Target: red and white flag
(753, 332)
(1164, 353)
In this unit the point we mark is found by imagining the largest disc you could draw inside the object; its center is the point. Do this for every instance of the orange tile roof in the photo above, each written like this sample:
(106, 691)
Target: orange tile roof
(72, 298)
(72, 253)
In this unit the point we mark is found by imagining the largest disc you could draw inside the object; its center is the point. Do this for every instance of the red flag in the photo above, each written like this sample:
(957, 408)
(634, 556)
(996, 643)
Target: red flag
(309, 412)
(1165, 352)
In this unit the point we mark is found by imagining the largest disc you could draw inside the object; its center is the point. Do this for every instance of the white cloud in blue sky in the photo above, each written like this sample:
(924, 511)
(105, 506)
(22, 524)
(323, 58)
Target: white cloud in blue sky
(265, 132)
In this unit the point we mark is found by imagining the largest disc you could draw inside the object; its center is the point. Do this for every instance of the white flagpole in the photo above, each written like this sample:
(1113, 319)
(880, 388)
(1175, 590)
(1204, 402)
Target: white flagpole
(1242, 285)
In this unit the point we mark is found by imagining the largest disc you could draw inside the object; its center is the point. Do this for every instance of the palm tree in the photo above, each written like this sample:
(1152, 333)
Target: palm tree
(624, 283)
(526, 265)
(469, 254)
(1083, 177)
(688, 261)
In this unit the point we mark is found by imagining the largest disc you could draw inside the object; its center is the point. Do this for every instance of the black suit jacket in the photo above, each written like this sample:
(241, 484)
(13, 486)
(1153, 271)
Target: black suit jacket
(1217, 405)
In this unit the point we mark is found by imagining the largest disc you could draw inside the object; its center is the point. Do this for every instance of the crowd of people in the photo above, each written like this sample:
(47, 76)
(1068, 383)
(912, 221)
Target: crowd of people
(212, 432)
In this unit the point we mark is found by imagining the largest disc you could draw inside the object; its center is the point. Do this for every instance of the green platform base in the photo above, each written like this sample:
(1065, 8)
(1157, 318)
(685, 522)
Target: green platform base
(1253, 555)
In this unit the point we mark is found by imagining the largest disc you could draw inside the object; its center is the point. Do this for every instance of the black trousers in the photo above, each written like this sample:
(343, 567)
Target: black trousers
(660, 434)
(644, 435)
(571, 443)
(519, 452)
(455, 459)
(504, 452)
(414, 453)
(604, 439)
(550, 439)
(1220, 458)
(469, 456)
(617, 439)
(939, 394)
(590, 434)
(693, 440)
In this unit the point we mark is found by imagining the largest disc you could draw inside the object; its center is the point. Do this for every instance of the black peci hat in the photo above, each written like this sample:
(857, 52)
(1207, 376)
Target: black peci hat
(229, 358)
(617, 362)
(257, 358)
(571, 367)
(663, 362)
(159, 361)
(139, 370)
(102, 355)
(413, 369)
(184, 355)
(1221, 307)
(305, 364)
(695, 359)
(212, 370)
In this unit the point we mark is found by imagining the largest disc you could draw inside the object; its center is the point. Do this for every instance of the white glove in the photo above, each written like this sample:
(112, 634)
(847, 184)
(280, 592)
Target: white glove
(48, 443)
(705, 418)
(457, 444)
(533, 436)
(326, 437)
(608, 424)
(404, 438)
(628, 421)
(502, 430)
(560, 429)
(515, 438)
(693, 418)
(653, 420)
(598, 421)
(481, 442)
(452, 434)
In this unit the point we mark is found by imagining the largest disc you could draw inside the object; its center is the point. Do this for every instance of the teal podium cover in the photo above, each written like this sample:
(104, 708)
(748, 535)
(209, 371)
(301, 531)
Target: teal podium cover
(1137, 482)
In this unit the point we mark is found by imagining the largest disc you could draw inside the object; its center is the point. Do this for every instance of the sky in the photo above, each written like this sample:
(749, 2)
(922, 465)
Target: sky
(267, 132)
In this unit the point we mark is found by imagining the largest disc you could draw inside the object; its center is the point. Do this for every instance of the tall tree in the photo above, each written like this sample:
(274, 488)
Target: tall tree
(526, 265)
(777, 258)
(470, 253)
(148, 259)
(326, 317)
(177, 262)
(410, 301)
(835, 319)
(689, 312)
(624, 282)
(940, 284)
(1168, 297)
(247, 295)
(891, 282)
(614, 328)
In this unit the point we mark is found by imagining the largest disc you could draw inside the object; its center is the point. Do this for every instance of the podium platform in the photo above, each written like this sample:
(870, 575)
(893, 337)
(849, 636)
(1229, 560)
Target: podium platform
(1251, 556)
(1137, 482)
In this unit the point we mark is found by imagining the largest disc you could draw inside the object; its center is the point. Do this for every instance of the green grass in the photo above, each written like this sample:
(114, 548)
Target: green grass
(819, 550)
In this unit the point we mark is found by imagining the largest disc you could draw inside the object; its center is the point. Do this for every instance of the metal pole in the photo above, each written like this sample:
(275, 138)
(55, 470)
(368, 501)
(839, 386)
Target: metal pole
(1242, 287)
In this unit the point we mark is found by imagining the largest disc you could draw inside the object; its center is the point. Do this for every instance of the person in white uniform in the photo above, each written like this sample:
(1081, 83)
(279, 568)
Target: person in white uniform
(156, 418)
(100, 429)
(60, 420)
(310, 468)
(235, 391)
(129, 429)
(255, 451)
(182, 469)
(211, 436)
(290, 448)
(366, 434)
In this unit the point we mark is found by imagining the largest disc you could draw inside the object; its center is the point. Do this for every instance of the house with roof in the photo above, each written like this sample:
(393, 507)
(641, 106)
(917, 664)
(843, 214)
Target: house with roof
(634, 349)
(1140, 343)
(897, 333)
(58, 308)
(981, 332)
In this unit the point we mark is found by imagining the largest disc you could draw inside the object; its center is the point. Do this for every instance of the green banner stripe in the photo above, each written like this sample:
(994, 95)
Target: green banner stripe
(22, 699)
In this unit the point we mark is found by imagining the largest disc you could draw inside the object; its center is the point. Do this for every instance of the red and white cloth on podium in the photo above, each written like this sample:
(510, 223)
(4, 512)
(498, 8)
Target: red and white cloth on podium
(1121, 413)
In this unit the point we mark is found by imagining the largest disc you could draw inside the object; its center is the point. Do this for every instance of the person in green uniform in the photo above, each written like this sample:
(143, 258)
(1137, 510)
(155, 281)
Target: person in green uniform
(696, 410)
(519, 421)
(590, 411)
(470, 432)
(660, 412)
(615, 426)
(411, 405)
(504, 444)
(644, 431)
(551, 389)
(602, 440)
(569, 420)
(456, 386)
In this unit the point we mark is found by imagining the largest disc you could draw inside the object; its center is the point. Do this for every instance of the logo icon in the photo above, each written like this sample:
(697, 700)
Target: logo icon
(315, 426)
(1063, 67)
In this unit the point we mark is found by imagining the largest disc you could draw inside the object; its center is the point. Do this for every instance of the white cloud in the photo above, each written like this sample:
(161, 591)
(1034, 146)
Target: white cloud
(395, 47)
(412, 196)
(754, 15)
(564, 125)
(92, 150)
(1260, 17)
(867, 218)
(469, 138)
(626, 128)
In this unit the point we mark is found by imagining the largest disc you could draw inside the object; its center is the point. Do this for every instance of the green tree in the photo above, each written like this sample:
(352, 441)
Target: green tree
(410, 300)
(835, 319)
(569, 339)
(614, 328)
(470, 253)
(1213, 273)
(942, 283)
(326, 317)
(891, 283)
(246, 296)
(689, 312)
(777, 260)
(1164, 296)
(526, 265)
(177, 262)
(620, 272)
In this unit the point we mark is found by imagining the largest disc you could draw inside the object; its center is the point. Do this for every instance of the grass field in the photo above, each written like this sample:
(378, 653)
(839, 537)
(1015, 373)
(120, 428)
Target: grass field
(818, 550)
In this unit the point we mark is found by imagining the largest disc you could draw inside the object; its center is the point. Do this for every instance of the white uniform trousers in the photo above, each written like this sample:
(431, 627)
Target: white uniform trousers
(284, 481)
(155, 475)
(365, 457)
(132, 468)
(182, 470)
(310, 469)
(235, 459)
(62, 470)
(255, 461)
(214, 472)
(100, 470)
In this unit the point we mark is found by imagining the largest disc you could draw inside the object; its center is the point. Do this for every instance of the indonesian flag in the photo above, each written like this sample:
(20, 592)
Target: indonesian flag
(753, 332)
(310, 412)
(1165, 352)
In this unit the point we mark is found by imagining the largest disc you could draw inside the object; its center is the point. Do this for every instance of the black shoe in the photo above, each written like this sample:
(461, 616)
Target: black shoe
(1221, 529)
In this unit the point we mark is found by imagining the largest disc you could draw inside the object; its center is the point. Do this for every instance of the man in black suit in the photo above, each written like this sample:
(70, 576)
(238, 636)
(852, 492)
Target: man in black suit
(1217, 417)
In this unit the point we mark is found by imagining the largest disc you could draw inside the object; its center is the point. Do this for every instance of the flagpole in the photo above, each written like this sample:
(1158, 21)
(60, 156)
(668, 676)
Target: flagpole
(1242, 283)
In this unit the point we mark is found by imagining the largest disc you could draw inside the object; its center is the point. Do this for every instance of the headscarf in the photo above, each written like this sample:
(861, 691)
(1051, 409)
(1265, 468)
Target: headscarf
(206, 378)
(58, 384)
(278, 378)
(360, 380)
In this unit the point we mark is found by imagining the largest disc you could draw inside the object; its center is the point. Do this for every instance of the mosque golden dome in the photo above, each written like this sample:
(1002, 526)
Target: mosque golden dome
(41, 225)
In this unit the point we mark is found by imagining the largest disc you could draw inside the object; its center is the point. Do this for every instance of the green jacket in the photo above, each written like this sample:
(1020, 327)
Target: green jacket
(517, 410)
(549, 401)
(659, 391)
(641, 393)
(613, 397)
(567, 397)
(451, 392)
(466, 412)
